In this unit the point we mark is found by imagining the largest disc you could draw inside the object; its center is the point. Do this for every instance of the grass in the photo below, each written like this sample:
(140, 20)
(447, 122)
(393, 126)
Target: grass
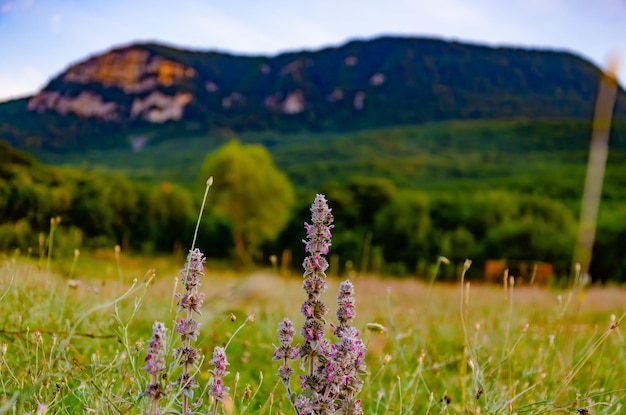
(75, 335)
(77, 345)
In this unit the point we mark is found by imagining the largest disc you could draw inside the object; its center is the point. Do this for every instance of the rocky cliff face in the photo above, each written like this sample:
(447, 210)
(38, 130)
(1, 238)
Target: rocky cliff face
(135, 72)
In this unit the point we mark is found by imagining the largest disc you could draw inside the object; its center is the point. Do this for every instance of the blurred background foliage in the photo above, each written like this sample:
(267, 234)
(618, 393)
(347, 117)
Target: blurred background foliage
(484, 204)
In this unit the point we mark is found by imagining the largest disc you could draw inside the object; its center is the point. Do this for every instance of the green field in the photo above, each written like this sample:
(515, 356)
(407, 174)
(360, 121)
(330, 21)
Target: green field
(74, 338)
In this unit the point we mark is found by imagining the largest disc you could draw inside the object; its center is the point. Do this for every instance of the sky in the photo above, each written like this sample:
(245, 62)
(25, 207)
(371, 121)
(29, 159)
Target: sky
(39, 39)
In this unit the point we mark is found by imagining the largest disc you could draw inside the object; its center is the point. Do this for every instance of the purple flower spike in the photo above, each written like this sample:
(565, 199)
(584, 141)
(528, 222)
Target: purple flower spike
(318, 237)
(333, 371)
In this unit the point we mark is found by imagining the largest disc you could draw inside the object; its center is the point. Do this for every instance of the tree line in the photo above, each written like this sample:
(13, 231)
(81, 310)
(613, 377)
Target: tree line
(254, 214)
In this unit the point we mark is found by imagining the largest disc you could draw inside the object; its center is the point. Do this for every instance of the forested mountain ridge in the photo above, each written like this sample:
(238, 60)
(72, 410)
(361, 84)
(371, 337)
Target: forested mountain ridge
(130, 93)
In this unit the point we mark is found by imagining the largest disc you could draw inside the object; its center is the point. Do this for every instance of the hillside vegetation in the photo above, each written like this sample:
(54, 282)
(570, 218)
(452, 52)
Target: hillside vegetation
(540, 157)
(403, 196)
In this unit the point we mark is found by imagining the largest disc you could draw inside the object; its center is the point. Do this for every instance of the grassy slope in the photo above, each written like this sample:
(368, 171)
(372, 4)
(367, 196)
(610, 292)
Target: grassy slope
(538, 350)
(547, 157)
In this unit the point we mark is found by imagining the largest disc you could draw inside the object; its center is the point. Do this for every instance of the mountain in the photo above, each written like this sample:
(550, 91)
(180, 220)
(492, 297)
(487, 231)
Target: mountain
(142, 91)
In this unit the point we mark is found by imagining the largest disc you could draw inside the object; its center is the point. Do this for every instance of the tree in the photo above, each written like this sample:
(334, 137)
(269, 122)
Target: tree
(170, 213)
(402, 229)
(122, 198)
(530, 238)
(356, 202)
(608, 261)
(251, 192)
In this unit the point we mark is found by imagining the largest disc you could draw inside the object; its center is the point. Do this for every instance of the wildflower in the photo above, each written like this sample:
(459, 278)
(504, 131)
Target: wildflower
(189, 329)
(318, 234)
(332, 380)
(285, 352)
(312, 330)
(285, 373)
(315, 265)
(303, 405)
(219, 361)
(194, 269)
(314, 308)
(345, 310)
(155, 358)
(286, 331)
(189, 302)
(314, 286)
(186, 355)
(187, 383)
(217, 389)
(351, 407)
(155, 365)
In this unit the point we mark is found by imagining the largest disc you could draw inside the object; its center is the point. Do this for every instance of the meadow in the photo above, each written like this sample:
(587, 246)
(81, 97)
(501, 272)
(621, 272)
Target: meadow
(75, 334)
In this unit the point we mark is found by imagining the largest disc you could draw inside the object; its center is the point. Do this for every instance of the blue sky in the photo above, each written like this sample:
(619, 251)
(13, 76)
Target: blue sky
(40, 38)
